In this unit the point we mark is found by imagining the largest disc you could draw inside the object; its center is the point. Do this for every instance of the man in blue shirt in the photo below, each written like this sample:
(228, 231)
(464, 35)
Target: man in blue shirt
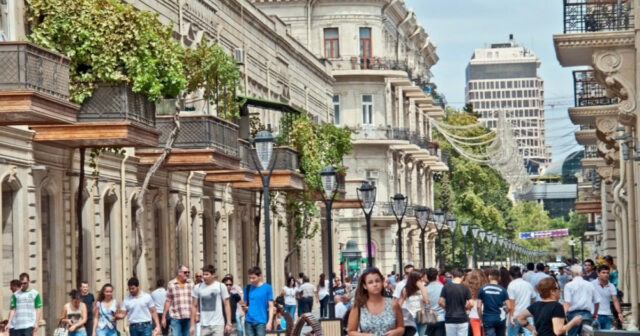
(257, 304)
(493, 297)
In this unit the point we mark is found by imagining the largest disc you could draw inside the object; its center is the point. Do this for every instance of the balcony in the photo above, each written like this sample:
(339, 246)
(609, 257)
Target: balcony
(386, 209)
(582, 16)
(588, 92)
(205, 142)
(284, 176)
(34, 86)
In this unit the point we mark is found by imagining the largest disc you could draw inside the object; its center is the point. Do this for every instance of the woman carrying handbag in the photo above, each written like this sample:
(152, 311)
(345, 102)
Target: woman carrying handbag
(415, 296)
(74, 315)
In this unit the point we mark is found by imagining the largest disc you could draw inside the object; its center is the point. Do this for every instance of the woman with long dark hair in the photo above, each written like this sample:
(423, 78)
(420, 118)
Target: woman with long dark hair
(373, 314)
(104, 313)
(322, 295)
(415, 296)
(505, 277)
(289, 294)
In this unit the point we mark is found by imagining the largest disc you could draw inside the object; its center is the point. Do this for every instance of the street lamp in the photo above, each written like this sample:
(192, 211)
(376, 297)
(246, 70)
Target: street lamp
(453, 226)
(422, 215)
(491, 238)
(438, 216)
(474, 232)
(399, 206)
(367, 199)
(464, 227)
(264, 151)
(328, 179)
(482, 234)
(572, 243)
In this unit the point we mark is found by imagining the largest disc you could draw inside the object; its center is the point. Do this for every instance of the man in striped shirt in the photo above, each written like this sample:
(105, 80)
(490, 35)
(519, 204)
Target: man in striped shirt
(178, 303)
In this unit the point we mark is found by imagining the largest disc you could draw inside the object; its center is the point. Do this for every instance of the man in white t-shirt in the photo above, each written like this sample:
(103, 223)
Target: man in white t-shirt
(159, 296)
(140, 311)
(521, 294)
(607, 293)
(210, 295)
(341, 308)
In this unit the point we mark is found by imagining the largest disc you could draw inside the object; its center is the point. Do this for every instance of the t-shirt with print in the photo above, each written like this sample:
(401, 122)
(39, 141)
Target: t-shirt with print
(210, 300)
(493, 298)
(25, 304)
(543, 313)
(258, 301)
(339, 290)
(455, 296)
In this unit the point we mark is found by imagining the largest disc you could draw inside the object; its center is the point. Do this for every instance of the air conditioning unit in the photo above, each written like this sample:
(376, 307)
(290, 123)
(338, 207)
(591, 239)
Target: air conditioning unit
(372, 174)
(238, 54)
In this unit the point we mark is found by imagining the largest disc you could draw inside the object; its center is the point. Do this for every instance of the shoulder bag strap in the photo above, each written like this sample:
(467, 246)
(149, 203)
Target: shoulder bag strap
(247, 290)
(106, 317)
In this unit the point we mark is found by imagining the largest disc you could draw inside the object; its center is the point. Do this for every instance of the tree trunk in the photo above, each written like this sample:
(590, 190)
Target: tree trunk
(79, 199)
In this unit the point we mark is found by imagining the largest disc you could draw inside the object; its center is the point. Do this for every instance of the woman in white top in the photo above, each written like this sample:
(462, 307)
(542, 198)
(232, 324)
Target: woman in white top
(289, 292)
(104, 313)
(322, 294)
(74, 315)
(414, 294)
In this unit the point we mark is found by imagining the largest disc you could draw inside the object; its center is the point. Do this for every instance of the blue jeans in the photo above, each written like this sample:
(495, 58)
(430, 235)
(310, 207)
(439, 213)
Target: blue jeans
(180, 327)
(255, 329)
(517, 328)
(587, 318)
(21, 332)
(494, 328)
(106, 332)
(605, 322)
(291, 309)
(140, 330)
(324, 304)
(81, 332)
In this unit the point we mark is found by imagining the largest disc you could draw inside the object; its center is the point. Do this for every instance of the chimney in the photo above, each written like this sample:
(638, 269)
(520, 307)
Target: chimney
(510, 37)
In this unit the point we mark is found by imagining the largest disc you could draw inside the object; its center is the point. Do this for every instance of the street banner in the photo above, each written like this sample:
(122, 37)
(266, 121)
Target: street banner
(544, 234)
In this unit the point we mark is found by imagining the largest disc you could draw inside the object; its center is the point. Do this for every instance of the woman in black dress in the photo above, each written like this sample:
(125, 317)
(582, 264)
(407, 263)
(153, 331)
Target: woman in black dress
(548, 314)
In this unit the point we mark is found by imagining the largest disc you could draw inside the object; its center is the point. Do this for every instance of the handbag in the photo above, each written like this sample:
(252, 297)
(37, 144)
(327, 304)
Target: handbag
(61, 330)
(426, 317)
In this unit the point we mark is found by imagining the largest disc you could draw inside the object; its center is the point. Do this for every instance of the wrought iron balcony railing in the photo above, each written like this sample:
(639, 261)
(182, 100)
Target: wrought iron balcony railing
(287, 157)
(588, 92)
(118, 103)
(582, 16)
(26, 65)
(201, 132)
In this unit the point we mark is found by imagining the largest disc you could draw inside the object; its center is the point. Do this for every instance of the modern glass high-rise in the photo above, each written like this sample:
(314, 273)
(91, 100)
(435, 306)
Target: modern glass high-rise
(504, 77)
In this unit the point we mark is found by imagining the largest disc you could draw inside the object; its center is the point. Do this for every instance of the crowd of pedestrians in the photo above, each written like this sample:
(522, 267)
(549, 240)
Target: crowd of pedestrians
(478, 302)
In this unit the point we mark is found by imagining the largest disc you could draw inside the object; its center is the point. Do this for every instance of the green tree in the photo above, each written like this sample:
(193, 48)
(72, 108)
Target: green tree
(531, 216)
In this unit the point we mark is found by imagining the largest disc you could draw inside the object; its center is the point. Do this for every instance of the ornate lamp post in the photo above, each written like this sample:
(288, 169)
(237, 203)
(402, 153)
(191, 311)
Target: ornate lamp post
(367, 199)
(422, 215)
(264, 150)
(474, 233)
(328, 179)
(453, 226)
(464, 227)
(399, 206)
(438, 216)
(482, 234)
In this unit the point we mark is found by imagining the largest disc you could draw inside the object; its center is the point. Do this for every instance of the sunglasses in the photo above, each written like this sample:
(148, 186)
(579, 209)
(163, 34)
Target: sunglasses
(228, 285)
(24, 283)
(185, 272)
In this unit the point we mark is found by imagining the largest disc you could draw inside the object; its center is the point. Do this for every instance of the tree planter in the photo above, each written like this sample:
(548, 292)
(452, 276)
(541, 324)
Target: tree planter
(118, 103)
(34, 85)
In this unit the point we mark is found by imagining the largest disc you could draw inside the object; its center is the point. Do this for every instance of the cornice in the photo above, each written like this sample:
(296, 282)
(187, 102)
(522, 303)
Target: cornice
(586, 115)
(586, 137)
(595, 39)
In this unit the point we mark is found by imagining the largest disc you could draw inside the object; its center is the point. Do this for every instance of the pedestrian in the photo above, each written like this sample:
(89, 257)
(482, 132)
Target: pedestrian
(258, 304)
(26, 309)
(434, 288)
(548, 315)
(607, 293)
(88, 299)
(159, 297)
(341, 307)
(178, 303)
(580, 298)
(289, 294)
(414, 297)
(74, 314)
(198, 279)
(613, 274)
(456, 300)
(210, 305)
(104, 316)
(474, 280)
(299, 283)
(590, 273)
(348, 287)
(505, 277)
(522, 295)
(235, 297)
(410, 326)
(529, 272)
(322, 295)
(14, 285)
(392, 279)
(372, 313)
(562, 277)
(537, 276)
(492, 300)
(140, 311)
(306, 293)
(338, 287)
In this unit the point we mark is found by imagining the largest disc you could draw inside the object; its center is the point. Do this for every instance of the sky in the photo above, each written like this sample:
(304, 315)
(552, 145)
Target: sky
(457, 27)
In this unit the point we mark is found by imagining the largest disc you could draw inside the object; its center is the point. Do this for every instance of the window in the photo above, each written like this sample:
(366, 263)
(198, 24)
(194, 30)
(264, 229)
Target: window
(367, 109)
(331, 41)
(336, 109)
(365, 43)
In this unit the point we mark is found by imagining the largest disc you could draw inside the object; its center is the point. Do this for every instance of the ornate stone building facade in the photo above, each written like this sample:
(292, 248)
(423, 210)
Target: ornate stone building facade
(602, 36)
(381, 58)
